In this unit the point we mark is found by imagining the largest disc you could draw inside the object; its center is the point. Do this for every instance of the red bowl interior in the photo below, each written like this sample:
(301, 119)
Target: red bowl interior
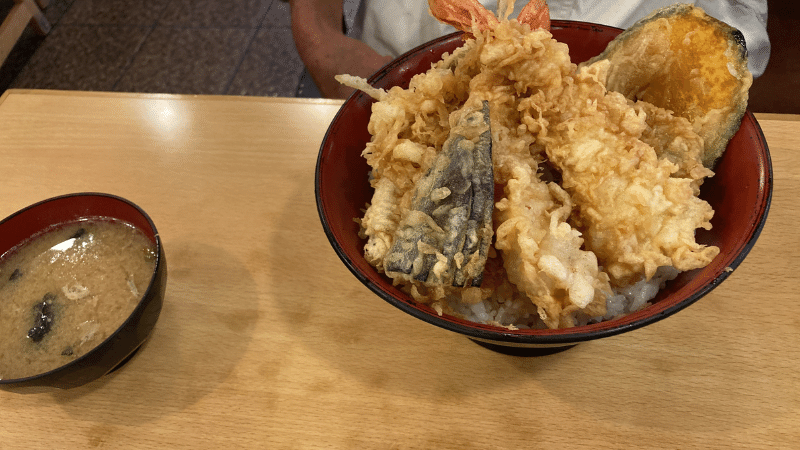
(740, 194)
(70, 208)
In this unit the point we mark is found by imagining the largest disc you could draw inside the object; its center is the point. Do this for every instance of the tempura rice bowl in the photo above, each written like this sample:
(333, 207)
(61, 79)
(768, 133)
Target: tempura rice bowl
(740, 194)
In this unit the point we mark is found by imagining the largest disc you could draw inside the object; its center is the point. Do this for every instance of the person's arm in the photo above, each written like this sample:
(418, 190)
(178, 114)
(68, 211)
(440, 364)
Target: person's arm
(324, 48)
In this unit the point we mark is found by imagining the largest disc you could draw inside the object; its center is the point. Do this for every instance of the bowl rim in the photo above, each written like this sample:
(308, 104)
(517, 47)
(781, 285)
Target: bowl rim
(101, 347)
(553, 337)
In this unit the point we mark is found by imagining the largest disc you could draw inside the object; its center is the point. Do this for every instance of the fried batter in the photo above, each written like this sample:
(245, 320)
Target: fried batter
(629, 175)
(685, 61)
(636, 212)
(445, 236)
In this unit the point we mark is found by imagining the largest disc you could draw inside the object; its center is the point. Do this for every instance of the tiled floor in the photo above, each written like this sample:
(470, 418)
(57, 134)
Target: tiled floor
(245, 47)
(238, 47)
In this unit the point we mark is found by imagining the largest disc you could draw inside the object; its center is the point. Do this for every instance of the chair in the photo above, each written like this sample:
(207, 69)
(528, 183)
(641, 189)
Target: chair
(22, 13)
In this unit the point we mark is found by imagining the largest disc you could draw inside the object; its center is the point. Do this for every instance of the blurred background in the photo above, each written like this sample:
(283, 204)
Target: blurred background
(244, 47)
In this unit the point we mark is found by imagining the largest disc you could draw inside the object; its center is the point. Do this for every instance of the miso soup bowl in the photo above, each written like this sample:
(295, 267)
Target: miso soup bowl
(121, 344)
(740, 194)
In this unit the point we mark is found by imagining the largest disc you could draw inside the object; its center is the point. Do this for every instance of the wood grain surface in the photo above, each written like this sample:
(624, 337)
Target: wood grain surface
(267, 341)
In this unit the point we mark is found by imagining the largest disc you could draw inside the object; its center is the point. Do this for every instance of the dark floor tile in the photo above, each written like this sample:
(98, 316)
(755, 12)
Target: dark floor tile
(56, 9)
(214, 13)
(112, 12)
(278, 15)
(271, 66)
(80, 57)
(186, 61)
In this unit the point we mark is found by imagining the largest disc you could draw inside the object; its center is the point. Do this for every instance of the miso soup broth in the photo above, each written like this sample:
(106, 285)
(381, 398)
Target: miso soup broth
(66, 290)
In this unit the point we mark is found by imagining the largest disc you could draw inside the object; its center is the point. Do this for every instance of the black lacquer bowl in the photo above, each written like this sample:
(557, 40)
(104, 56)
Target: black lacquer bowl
(122, 344)
(740, 194)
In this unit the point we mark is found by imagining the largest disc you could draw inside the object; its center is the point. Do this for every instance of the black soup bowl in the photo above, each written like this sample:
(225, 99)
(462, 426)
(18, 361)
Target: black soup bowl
(740, 193)
(126, 340)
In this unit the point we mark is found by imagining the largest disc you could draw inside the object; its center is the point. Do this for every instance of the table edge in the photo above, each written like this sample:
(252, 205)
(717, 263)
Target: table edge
(158, 96)
(312, 101)
(776, 116)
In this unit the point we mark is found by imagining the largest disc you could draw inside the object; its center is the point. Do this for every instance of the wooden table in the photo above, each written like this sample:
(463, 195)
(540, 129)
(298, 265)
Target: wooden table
(267, 341)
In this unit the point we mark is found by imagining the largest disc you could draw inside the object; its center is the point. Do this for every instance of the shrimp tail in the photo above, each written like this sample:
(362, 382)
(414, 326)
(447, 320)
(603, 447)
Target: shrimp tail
(536, 14)
(462, 14)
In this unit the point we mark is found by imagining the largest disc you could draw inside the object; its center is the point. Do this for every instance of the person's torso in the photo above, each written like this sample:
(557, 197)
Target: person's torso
(393, 27)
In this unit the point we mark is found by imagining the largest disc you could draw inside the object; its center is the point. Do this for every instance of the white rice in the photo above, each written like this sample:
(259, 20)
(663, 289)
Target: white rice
(521, 313)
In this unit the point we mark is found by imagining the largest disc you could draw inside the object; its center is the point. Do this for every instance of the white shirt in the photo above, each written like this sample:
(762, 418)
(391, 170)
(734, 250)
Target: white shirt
(392, 27)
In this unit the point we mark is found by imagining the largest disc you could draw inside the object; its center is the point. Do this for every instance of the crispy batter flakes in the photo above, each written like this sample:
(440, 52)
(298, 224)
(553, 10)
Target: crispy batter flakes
(616, 199)
(445, 236)
(683, 60)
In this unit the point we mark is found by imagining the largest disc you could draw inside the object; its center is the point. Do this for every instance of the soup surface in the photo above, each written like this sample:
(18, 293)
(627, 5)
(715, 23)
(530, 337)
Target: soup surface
(64, 291)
